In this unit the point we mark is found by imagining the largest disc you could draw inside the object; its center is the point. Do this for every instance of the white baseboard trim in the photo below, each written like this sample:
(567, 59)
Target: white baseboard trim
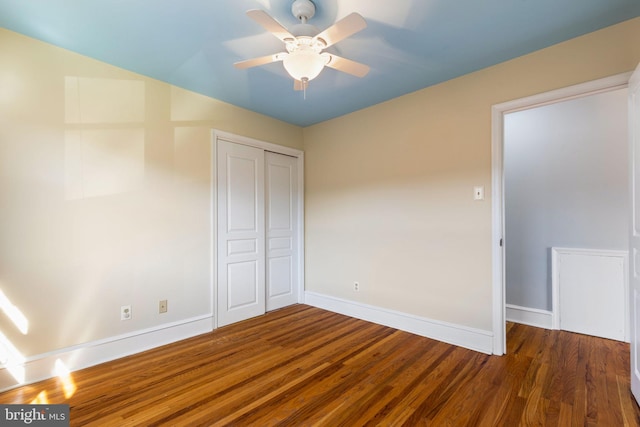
(529, 316)
(463, 336)
(42, 366)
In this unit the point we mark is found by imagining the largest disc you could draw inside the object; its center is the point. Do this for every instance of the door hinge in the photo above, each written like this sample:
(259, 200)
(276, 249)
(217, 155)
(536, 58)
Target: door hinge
(500, 242)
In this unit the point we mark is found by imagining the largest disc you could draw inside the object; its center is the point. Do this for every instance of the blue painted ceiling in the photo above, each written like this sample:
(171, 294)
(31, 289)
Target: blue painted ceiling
(409, 44)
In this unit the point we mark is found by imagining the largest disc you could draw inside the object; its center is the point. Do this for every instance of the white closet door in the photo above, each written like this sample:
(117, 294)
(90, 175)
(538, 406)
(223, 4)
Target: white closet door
(241, 232)
(281, 216)
(634, 232)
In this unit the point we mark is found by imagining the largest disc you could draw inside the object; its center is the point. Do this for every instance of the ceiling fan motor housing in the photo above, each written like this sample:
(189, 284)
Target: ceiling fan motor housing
(303, 10)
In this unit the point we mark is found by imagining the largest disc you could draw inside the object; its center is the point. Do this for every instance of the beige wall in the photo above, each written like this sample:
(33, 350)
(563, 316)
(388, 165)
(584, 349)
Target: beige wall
(389, 189)
(105, 194)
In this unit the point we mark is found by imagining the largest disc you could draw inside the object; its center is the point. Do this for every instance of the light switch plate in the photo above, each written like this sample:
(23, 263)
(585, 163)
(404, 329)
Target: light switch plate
(478, 193)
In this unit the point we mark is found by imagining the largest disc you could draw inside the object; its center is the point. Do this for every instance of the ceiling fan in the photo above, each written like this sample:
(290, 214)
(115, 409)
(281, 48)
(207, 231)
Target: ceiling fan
(304, 58)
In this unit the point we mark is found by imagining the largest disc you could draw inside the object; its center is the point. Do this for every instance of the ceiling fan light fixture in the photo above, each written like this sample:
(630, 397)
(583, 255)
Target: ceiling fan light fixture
(304, 64)
(304, 59)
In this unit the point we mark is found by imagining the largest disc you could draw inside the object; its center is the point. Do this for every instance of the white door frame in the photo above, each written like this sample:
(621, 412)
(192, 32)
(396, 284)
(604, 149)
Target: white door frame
(634, 143)
(217, 135)
(498, 111)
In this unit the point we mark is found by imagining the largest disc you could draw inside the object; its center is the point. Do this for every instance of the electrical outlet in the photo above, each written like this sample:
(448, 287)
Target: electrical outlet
(356, 286)
(125, 312)
(163, 306)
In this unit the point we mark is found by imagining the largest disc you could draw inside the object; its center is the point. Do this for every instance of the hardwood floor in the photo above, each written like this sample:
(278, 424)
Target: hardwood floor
(305, 366)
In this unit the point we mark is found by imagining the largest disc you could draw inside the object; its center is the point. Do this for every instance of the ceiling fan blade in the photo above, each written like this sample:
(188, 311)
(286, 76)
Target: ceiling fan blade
(346, 65)
(260, 61)
(342, 29)
(270, 24)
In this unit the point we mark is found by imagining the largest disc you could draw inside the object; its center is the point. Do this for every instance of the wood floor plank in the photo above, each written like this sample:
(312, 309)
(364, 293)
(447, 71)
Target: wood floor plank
(497, 394)
(305, 366)
(535, 409)
(332, 384)
(371, 395)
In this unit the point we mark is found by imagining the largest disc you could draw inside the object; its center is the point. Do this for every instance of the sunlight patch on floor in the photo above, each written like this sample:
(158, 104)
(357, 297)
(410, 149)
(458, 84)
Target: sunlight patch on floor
(68, 385)
(41, 399)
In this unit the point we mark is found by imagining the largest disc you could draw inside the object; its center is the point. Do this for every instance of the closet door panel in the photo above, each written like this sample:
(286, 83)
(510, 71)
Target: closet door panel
(281, 230)
(241, 232)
